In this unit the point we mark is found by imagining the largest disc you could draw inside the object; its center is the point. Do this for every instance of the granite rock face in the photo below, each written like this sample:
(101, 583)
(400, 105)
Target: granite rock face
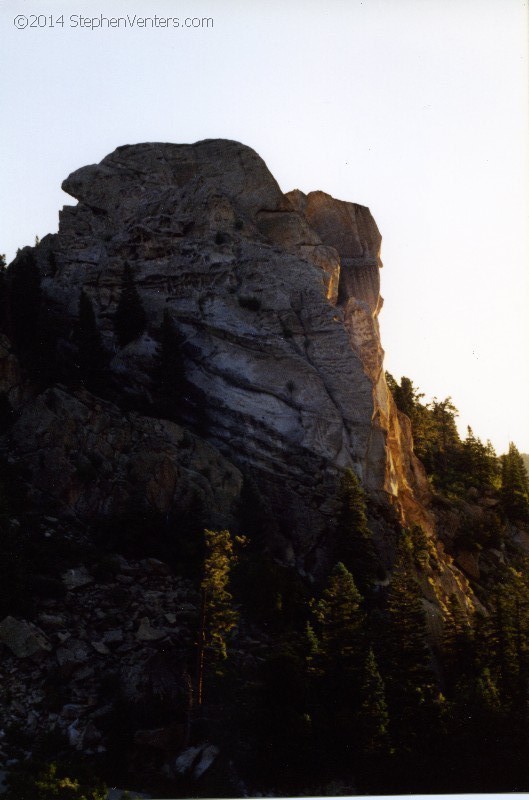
(277, 298)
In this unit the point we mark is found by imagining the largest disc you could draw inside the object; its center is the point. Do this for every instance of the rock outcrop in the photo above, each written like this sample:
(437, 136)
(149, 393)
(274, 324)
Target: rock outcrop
(87, 458)
(23, 638)
(277, 298)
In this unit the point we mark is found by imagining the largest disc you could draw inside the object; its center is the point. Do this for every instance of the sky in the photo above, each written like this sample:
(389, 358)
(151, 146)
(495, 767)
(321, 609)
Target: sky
(418, 109)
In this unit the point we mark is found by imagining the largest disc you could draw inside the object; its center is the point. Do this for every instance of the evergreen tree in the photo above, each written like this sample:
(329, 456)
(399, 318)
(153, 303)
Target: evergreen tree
(337, 667)
(458, 645)
(471, 752)
(406, 395)
(410, 682)
(170, 376)
(341, 622)
(4, 299)
(408, 400)
(444, 414)
(355, 547)
(129, 319)
(420, 548)
(24, 301)
(91, 355)
(218, 616)
(478, 462)
(277, 724)
(255, 517)
(373, 718)
(504, 639)
(312, 650)
(514, 485)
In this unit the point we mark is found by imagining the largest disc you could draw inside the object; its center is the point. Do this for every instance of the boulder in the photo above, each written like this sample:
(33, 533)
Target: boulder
(195, 761)
(74, 652)
(146, 633)
(23, 638)
(77, 578)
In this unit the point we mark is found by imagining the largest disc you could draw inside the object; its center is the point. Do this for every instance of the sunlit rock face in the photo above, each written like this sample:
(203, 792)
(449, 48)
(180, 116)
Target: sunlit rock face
(351, 230)
(277, 297)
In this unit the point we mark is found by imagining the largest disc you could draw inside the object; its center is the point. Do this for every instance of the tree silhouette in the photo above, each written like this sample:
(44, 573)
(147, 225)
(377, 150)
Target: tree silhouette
(337, 664)
(24, 300)
(373, 718)
(355, 546)
(218, 616)
(514, 485)
(129, 319)
(341, 619)
(170, 373)
(410, 682)
(4, 298)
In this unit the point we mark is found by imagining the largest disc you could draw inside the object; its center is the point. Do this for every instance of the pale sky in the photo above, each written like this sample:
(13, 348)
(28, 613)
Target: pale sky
(418, 109)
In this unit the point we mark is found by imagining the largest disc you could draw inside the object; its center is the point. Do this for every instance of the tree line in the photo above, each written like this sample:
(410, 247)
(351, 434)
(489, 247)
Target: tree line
(456, 465)
(350, 691)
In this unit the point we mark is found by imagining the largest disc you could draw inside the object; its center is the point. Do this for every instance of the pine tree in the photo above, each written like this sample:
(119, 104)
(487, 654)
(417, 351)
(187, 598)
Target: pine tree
(312, 650)
(477, 461)
(91, 356)
(514, 485)
(373, 718)
(419, 547)
(406, 396)
(24, 300)
(170, 375)
(504, 640)
(458, 644)
(473, 744)
(341, 622)
(337, 667)
(444, 414)
(355, 547)
(4, 300)
(129, 319)
(410, 681)
(218, 616)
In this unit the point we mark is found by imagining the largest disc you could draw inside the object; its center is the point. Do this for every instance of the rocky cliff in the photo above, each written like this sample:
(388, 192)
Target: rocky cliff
(277, 297)
(107, 484)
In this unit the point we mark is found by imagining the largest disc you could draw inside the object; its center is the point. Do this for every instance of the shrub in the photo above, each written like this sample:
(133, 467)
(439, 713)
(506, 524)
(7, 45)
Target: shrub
(50, 781)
